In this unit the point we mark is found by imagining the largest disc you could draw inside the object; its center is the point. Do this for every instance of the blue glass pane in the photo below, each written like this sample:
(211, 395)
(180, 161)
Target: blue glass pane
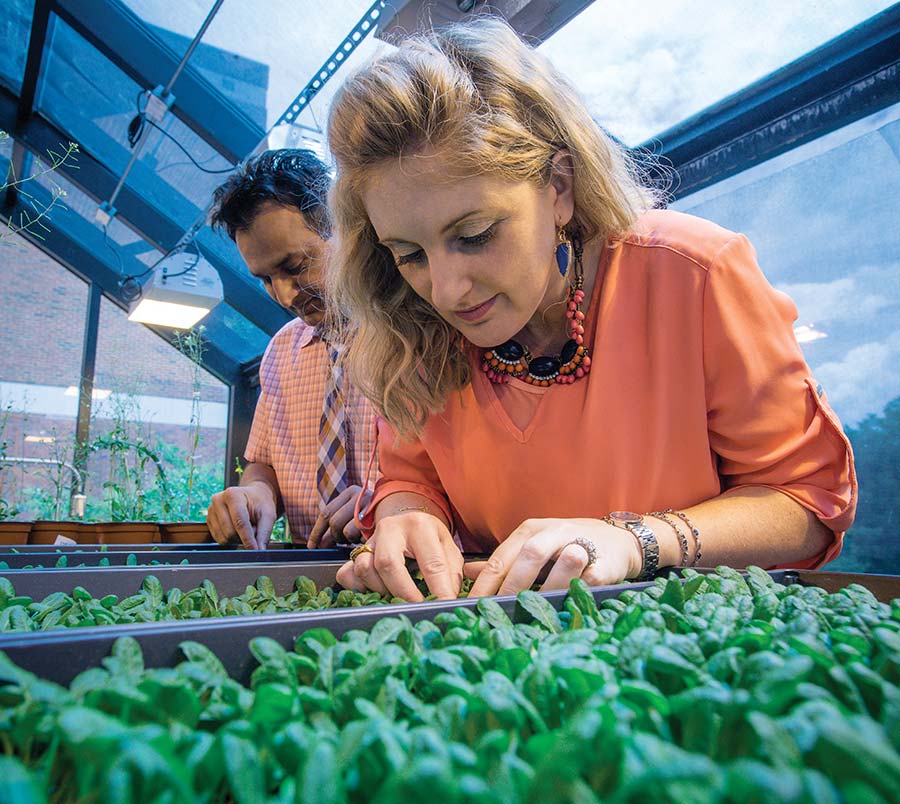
(124, 242)
(643, 67)
(234, 334)
(261, 61)
(87, 96)
(15, 30)
(823, 219)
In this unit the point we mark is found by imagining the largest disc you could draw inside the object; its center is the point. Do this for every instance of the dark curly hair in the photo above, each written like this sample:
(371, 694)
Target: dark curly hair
(293, 177)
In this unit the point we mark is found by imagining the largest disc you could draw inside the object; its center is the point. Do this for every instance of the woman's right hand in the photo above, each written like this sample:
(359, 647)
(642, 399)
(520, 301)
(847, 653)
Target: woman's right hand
(410, 534)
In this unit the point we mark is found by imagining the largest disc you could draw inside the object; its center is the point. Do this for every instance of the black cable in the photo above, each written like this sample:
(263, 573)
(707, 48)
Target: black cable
(136, 129)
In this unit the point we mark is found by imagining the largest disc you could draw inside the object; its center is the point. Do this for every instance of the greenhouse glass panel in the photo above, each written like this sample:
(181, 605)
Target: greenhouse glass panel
(94, 101)
(240, 338)
(121, 243)
(15, 31)
(40, 367)
(644, 67)
(154, 396)
(259, 59)
(823, 219)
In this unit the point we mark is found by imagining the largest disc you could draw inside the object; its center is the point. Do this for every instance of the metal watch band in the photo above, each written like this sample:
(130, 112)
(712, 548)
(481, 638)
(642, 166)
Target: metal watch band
(649, 549)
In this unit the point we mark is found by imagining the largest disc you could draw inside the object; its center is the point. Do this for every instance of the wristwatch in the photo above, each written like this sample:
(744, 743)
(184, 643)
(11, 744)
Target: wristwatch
(645, 536)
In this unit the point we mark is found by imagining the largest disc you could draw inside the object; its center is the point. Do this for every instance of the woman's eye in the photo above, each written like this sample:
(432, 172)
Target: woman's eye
(295, 270)
(406, 259)
(481, 238)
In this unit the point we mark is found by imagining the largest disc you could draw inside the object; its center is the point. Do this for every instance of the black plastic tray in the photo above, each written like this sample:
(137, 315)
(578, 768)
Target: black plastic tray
(60, 655)
(16, 561)
(230, 579)
(117, 548)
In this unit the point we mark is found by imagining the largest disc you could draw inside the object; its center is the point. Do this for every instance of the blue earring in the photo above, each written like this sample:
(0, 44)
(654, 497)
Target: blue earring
(563, 253)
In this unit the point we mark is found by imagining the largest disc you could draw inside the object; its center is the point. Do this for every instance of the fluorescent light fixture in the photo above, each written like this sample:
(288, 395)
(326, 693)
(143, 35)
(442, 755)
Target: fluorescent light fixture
(33, 439)
(97, 393)
(805, 333)
(182, 289)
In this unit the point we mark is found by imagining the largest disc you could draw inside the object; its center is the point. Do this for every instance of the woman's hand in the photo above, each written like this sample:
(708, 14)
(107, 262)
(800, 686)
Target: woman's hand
(410, 534)
(517, 562)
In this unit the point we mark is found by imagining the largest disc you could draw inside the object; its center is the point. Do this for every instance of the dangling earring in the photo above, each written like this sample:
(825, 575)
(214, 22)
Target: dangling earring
(563, 252)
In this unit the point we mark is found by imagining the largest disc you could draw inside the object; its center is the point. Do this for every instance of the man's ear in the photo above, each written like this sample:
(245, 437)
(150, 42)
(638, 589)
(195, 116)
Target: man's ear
(562, 180)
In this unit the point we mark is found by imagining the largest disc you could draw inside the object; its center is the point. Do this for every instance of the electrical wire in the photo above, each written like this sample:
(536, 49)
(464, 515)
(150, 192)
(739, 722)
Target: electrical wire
(136, 129)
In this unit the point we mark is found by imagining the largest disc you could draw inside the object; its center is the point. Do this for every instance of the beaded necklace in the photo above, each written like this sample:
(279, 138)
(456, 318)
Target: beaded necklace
(512, 359)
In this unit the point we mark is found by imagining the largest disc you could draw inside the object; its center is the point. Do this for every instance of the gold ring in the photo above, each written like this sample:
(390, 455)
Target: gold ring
(357, 551)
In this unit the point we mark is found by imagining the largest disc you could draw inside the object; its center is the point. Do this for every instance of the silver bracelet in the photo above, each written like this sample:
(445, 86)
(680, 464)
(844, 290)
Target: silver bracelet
(694, 532)
(663, 516)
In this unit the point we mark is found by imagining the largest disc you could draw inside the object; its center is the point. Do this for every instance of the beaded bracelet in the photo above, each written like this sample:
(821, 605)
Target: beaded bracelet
(663, 516)
(694, 532)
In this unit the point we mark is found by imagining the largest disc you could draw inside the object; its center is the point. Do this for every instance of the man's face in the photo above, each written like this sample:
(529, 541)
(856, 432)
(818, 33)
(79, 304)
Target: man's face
(289, 258)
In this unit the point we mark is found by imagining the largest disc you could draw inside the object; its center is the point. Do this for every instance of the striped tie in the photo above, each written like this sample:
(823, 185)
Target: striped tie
(331, 473)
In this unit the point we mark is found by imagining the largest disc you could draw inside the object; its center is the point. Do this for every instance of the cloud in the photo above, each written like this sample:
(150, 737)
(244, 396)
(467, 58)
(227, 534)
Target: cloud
(865, 380)
(827, 302)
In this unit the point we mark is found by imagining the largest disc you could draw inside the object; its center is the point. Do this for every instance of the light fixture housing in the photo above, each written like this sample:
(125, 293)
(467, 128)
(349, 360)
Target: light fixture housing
(183, 288)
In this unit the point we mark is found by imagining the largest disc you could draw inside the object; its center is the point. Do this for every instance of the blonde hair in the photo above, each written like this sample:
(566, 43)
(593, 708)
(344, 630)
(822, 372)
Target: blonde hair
(479, 96)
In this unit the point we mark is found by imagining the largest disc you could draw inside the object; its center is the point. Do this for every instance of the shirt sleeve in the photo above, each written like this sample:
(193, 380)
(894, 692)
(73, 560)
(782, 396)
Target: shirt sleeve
(404, 466)
(258, 443)
(769, 421)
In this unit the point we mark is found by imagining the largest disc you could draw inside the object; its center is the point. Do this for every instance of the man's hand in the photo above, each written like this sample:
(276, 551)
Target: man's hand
(336, 522)
(243, 514)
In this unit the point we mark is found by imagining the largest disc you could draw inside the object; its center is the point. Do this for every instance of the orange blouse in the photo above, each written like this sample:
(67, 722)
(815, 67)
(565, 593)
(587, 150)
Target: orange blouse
(697, 385)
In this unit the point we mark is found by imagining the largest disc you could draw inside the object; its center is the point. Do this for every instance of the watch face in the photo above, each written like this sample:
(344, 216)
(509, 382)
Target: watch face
(626, 517)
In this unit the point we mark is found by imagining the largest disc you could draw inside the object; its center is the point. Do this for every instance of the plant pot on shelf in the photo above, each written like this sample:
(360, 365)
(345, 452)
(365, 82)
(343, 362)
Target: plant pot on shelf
(14, 532)
(119, 533)
(184, 532)
(46, 531)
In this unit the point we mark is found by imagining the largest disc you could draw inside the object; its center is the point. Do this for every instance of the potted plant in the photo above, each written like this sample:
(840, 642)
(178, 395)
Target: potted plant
(11, 532)
(185, 490)
(125, 489)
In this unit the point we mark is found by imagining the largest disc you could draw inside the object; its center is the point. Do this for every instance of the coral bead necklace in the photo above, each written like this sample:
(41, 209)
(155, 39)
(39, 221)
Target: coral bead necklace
(512, 359)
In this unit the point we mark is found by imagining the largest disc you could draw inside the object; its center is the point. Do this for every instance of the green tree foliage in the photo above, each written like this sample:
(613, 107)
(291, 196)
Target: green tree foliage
(873, 543)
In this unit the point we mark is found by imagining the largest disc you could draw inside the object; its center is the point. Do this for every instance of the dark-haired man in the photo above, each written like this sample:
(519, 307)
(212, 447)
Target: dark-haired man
(312, 433)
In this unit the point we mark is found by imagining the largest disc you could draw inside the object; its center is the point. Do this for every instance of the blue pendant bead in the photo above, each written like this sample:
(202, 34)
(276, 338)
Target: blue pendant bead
(563, 257)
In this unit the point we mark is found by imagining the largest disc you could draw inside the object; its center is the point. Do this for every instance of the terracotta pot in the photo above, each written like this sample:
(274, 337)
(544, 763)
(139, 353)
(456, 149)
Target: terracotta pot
(119, 533)
(184, 532)
(45, 532)
(14, 532)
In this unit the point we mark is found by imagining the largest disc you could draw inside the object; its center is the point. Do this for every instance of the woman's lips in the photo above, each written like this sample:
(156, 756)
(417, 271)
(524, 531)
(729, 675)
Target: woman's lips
(476, 313)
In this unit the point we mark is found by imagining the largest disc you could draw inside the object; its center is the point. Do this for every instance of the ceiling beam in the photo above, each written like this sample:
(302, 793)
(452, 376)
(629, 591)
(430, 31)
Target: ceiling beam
(846, 79)
(40, 24)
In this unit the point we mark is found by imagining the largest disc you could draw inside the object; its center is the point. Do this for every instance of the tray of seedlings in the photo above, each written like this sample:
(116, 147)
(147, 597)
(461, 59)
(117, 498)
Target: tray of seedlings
(720, 687)
(27, 560)
(113, 548)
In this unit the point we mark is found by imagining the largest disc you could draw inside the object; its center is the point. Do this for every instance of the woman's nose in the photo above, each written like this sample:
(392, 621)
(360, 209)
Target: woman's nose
(450, 283)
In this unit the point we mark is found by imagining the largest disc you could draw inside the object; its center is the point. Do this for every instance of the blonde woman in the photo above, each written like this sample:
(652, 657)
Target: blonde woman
(567, 378)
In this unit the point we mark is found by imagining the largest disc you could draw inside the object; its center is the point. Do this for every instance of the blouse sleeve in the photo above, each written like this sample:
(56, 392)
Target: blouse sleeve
(769, 421)
(404, 466)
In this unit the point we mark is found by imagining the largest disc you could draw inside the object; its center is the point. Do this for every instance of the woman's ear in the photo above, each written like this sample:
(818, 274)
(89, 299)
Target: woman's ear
(562, 180)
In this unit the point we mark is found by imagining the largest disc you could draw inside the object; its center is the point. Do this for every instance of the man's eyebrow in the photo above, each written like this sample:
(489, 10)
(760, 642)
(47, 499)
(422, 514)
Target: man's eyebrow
(285, 262)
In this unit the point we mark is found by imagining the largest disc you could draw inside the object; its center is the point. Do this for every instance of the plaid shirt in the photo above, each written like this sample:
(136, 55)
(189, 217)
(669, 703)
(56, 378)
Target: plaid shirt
(293, 377)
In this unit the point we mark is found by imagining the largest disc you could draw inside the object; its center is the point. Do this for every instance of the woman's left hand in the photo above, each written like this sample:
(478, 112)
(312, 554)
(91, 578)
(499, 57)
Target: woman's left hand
(517, 562)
